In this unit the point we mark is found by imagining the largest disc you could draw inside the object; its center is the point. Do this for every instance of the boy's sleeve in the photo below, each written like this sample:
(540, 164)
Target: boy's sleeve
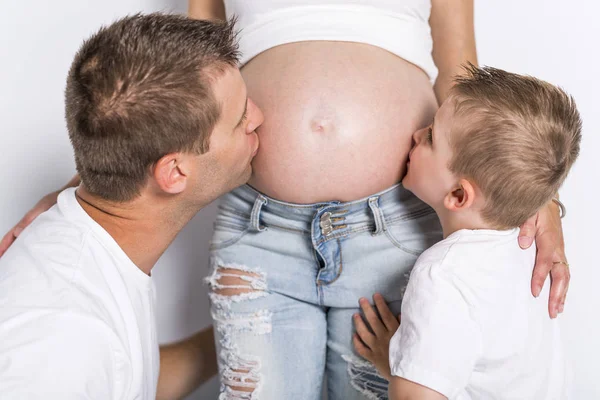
(56, 356)
(438, 341)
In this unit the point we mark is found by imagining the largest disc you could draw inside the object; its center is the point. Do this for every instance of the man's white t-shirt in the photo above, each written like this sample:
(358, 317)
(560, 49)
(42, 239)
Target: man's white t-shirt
(471, 328)
(77, 317)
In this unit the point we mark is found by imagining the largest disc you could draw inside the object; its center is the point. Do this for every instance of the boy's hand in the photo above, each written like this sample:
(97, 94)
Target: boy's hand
(375, 345)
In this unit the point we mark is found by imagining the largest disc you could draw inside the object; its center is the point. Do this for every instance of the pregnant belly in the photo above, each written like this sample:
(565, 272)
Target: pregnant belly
(338, 119)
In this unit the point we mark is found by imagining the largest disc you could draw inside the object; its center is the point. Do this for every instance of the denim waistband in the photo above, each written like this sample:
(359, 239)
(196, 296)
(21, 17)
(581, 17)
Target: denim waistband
(328, 219)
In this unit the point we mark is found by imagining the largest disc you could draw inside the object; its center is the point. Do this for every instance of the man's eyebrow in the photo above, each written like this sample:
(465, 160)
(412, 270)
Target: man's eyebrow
(243, 114)
(432, 125)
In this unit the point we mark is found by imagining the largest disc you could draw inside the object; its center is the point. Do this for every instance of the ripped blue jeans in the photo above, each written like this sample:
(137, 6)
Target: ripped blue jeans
(285, 282)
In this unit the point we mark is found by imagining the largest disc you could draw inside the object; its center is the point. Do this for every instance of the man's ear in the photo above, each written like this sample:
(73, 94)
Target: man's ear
(171, 173)
(461, 197)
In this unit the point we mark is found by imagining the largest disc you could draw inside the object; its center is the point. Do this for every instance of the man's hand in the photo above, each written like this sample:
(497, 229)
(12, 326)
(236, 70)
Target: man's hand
(43, 205)
(375, 346)
(546, 228)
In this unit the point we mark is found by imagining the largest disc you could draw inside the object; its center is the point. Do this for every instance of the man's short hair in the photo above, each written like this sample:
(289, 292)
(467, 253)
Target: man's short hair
(516, 138)
(139, 89)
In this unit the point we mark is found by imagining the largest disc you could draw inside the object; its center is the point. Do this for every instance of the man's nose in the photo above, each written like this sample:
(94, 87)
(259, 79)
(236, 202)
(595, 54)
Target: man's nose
(256, 117)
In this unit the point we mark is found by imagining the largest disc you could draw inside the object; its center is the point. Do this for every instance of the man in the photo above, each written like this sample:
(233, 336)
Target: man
(161, 125)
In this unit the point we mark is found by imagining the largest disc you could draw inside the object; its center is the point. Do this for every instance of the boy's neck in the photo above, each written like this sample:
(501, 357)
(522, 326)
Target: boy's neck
(455, 221)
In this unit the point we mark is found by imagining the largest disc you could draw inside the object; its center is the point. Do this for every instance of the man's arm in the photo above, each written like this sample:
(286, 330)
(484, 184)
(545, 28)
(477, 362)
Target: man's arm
(453, 33)
(186, 365)
(206, 9)
(402, 389)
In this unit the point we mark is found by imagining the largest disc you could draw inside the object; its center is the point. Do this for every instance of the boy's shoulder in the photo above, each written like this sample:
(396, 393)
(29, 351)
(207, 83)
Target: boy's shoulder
(466, 249)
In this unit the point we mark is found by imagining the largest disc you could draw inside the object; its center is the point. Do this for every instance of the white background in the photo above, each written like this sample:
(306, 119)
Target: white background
(555, 40)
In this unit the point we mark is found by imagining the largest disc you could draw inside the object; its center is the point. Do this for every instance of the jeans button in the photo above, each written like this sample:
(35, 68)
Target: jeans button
(325, 223)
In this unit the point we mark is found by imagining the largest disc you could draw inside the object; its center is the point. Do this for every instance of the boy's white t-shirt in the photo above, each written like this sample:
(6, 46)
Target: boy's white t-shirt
(471, 328)
(77, 317)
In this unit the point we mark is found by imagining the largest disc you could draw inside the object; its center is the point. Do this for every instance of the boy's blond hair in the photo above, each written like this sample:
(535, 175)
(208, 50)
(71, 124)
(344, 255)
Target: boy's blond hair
(516, 139)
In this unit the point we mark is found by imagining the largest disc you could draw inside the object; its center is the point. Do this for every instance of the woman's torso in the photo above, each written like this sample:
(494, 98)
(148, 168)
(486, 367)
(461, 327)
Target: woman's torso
(339, 118)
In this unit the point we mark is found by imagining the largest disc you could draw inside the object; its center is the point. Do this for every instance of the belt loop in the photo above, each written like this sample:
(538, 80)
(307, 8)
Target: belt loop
(377, 214)
(255, 214)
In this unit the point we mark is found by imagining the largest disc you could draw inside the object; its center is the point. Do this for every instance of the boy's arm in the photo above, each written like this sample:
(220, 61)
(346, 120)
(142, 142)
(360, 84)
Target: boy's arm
(438, 342)
(374, 344)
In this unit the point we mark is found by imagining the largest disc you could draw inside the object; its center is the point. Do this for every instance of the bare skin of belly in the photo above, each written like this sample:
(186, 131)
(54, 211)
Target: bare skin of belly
(339, 119)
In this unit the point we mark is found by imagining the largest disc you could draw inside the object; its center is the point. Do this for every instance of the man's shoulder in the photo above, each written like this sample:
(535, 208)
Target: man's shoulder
(43, 260)
(60, 327)
(51, 238)
(53, 265)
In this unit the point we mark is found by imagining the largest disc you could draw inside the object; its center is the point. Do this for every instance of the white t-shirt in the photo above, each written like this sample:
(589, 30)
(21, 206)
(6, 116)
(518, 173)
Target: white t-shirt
(471, 328)
(77, 317)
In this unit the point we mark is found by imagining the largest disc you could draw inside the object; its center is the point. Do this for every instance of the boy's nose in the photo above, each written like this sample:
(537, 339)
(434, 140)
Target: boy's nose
(256, 117)
(417, 136)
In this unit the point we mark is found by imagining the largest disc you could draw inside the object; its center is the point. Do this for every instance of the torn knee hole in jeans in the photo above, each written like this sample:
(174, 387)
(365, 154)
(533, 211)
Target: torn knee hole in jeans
(365, 378)
(234, 282)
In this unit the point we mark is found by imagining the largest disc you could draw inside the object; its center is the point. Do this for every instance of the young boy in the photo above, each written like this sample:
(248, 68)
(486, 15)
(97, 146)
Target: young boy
(499, 148)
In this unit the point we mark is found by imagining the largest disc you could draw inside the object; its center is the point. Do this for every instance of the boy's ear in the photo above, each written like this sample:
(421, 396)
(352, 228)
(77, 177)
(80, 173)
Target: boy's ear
(461, 197)
(171, 173)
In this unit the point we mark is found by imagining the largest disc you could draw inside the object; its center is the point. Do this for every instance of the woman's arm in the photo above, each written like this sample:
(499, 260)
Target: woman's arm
(452, 29)
(453, 33)
(206, 9)
(546, 229)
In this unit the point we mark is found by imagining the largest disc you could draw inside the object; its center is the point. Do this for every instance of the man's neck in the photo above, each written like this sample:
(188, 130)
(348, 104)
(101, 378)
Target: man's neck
(143, 230)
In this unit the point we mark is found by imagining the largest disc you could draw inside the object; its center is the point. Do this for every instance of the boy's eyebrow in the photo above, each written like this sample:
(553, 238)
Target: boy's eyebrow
(432, 126)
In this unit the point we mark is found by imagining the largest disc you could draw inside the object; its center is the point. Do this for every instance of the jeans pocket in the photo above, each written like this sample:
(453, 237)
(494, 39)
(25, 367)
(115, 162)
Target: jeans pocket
(230, 226)
(415, 232)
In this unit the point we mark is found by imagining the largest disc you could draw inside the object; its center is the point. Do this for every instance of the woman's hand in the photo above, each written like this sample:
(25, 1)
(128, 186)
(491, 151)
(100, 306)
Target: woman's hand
(374, 344)
(545, 227)
(43, 205)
